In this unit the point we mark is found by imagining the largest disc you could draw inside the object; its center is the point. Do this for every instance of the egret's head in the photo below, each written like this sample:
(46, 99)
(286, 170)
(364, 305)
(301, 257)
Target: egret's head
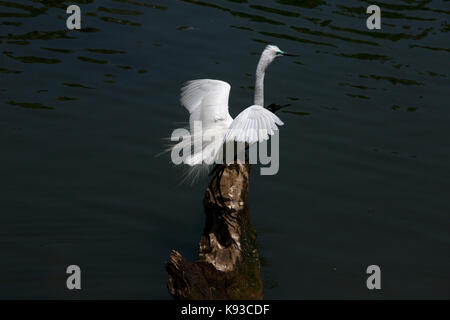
(270, 53)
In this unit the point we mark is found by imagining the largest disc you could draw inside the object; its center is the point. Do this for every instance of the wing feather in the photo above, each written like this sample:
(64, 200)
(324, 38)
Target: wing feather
(207, 102)
(254, 124)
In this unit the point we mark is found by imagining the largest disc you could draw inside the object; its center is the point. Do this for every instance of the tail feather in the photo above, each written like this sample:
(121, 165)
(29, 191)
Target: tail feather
(204, 147)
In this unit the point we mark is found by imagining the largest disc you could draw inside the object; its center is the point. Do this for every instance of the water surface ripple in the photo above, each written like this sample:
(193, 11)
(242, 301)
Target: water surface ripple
(364, 159)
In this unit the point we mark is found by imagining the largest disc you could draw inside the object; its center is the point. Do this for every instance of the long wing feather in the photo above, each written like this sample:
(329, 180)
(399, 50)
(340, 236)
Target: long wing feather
(207, 102)
(254, 124)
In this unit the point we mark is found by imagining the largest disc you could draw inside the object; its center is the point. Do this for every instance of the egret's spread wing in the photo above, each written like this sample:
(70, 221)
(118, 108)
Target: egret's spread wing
(254, 124)
(206, 100)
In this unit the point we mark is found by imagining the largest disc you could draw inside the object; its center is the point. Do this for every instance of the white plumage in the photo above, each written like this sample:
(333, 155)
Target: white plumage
(254, 124)
(207, 103)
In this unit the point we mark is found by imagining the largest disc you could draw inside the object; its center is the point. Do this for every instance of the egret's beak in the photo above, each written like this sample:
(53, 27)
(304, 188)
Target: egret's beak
(290, 54)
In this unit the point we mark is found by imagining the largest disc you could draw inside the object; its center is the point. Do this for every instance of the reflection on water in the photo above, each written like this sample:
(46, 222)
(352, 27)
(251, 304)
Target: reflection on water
(364, 156)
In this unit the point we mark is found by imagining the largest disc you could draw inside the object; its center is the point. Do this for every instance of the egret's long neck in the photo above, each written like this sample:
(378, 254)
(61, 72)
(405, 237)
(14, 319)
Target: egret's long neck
(259, 83)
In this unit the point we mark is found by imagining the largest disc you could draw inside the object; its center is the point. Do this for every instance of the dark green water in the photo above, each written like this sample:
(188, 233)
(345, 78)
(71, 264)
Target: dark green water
(364, 158)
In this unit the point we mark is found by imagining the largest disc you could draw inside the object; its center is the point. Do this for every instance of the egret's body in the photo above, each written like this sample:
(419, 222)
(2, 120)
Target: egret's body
(207, 103)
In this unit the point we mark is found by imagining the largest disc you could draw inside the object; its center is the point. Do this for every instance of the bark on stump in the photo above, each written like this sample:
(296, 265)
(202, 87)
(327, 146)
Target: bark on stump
(228, 265)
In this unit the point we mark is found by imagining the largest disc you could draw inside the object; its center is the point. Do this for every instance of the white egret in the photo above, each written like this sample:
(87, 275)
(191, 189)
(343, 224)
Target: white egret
(207, 103)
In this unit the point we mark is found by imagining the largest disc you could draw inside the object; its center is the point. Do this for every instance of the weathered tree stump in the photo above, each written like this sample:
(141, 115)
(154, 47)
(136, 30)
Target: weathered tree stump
(228, 265)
